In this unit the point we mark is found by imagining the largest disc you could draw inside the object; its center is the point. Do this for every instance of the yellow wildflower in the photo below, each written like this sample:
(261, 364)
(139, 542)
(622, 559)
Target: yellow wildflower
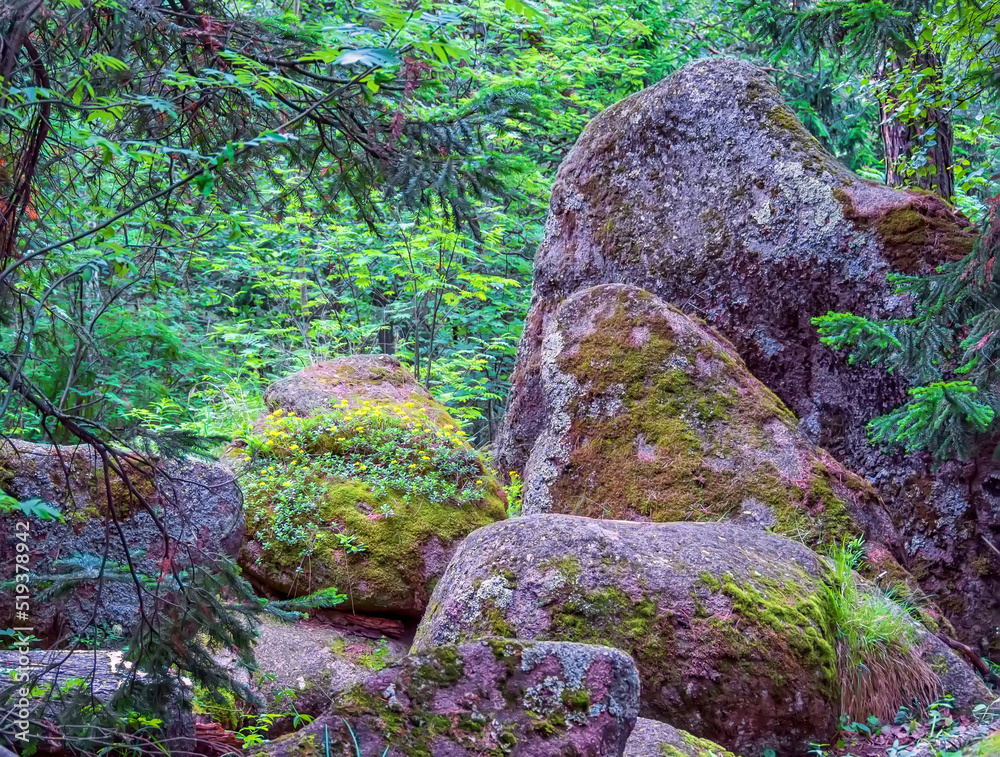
(287, 483)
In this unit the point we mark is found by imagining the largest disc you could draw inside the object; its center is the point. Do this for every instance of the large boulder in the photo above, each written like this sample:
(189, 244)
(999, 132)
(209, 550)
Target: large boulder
(652, 416)
(949, 518)
(733, 630)
(707, 191)
(194, 516)
(358, 480)
(495, 696)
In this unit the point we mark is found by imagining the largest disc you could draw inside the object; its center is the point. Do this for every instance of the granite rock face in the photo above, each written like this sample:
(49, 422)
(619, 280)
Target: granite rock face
(715, 616)
(496, 696)
(311, 659)
(198, 505)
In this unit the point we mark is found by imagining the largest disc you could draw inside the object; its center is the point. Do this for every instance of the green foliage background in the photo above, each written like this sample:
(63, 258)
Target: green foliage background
(405, 218)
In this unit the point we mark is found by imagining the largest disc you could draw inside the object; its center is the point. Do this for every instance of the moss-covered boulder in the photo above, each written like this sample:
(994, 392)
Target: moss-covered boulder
(494, 697)
(735, 632)
(652, 416)
(196, 504)
(368, 493)
(651, 738)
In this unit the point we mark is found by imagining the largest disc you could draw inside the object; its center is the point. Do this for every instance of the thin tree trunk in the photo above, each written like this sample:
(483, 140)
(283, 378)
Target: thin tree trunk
(902, 140)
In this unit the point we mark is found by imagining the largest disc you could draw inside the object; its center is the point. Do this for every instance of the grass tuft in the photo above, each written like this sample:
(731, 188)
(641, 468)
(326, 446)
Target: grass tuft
(878, 666)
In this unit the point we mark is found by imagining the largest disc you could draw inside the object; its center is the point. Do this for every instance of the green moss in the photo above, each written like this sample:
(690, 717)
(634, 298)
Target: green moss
(783, 124)
(507, 741)
(306, 746)
(844, 199)
(444, 665)
(498, 623)
(611, 617)
(553, 725)
(218, 704)
(576, 699)
(913, 236)
(904, 232)
(834, 524)
(982, 565)
(568, 567)
(800, 621)
(6, 481)
(692, 746)
(684, 409)
(338, 647)
(713, 583)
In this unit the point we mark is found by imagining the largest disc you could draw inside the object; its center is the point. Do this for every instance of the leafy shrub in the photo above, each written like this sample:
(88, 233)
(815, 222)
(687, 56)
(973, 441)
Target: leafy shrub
(515, 492)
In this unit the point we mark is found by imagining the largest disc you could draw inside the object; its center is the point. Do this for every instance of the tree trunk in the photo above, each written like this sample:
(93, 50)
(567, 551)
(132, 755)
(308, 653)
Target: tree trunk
(903, 140)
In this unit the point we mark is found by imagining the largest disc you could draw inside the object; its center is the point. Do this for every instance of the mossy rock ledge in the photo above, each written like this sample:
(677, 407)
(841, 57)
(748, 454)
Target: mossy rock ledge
(652, 416)
(197, 503)
(493, 697)
(989, 747)
(358, 480)
(650, 738)
(732, 629)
